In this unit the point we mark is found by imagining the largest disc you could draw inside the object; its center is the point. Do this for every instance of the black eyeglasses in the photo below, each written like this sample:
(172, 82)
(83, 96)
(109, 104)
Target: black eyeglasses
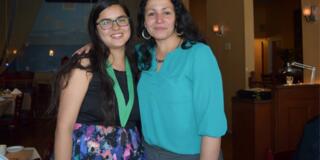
(108, 23)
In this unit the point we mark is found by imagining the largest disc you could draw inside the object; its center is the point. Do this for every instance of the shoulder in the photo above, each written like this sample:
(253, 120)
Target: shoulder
(200, 51)
(202, 58)
(196, 48)
(77, 61)
(201, 48)
(85, 62)
(200, 45)
(82, 74)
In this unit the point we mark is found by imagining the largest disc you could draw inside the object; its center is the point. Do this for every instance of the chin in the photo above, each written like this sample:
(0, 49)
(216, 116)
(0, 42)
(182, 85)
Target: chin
(116, 44)
(161, 36)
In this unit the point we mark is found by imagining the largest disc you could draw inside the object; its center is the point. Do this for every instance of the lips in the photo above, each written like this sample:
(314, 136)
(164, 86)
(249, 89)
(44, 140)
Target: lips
(160, 28)
(117, 35)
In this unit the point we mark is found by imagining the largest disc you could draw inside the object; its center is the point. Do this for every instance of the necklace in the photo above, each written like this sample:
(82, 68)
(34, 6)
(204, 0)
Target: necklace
(162, 60)
(159, 60)
(124, 109)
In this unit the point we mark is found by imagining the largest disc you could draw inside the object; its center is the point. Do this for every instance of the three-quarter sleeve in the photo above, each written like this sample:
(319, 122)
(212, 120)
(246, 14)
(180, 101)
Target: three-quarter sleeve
(208, 101)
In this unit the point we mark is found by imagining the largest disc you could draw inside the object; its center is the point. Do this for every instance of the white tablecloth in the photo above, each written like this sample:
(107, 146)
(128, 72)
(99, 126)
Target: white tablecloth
(35, 154)
(9, 110)
(24, 154)
(5, 106)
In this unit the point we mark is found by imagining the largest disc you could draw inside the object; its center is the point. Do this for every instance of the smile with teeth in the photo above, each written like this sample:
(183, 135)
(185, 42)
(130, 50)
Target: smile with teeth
(117, 35)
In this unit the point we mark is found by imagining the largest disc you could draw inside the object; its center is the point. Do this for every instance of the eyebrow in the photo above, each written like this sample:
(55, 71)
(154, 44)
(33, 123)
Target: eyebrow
(112, 19)
(152, 9)
(166, 8)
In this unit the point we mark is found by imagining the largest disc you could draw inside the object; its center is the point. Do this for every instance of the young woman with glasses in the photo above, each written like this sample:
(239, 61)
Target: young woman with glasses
(96, 94)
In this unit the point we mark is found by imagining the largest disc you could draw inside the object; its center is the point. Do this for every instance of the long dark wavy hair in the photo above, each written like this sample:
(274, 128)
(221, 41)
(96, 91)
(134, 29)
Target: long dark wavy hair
(98, 57)
(184, 24)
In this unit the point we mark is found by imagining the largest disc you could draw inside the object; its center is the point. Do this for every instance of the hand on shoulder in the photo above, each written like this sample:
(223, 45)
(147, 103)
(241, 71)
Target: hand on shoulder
(84, 49)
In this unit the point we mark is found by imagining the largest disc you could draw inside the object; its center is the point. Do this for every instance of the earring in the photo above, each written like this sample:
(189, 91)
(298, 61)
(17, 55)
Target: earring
(179, 34)
(144, 35)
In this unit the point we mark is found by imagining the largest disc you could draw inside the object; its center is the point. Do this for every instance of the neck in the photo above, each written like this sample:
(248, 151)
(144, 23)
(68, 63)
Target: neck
(167, 45)
(117, 59)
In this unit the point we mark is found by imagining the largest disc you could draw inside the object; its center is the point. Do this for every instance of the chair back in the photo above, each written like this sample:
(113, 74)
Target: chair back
(18, 107)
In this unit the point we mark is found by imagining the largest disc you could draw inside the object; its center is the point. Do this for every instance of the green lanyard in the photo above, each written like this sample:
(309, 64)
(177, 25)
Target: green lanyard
(124, 109)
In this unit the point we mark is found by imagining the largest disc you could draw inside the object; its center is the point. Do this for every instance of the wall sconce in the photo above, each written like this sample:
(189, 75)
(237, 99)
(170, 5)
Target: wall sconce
(310, 13)
(51, 52)
(218, 30)
(15, 51)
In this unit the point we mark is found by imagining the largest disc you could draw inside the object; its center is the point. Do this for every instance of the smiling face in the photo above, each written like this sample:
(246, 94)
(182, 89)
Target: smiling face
(160, 19)
(117, 35)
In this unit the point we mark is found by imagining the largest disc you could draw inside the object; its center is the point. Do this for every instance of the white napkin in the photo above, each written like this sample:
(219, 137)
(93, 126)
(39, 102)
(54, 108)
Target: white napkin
(7, 91)
(16, 91)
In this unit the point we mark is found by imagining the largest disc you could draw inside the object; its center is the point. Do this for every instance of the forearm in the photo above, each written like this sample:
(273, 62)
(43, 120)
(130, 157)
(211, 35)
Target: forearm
(63, 145)
(210, 148)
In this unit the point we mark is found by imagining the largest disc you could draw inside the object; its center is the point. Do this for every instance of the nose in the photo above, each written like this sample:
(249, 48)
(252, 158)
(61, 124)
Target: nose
(115, 25)
(159, 18)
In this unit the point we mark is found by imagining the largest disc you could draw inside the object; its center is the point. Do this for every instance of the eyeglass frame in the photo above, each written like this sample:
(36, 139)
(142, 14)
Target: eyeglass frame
(113, 21)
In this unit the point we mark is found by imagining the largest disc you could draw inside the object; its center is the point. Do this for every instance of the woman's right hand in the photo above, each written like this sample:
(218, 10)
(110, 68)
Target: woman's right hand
(84, 49)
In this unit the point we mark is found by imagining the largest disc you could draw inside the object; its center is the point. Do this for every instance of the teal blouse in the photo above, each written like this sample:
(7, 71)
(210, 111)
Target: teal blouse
(183, 100)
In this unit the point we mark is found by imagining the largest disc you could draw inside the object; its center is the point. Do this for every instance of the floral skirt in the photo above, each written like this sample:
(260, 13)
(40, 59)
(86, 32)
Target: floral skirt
(96, 142)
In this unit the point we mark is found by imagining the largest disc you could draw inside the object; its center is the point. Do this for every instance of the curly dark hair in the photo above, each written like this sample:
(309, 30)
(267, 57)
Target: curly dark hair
(98, 57)
(184, 24)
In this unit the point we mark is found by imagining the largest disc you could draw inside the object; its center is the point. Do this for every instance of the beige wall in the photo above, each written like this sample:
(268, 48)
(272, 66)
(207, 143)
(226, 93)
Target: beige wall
(199, 16)
(238, 61)
(260, 20)
(186, 3)
(249, 38)
(311, 43)
(132, 6)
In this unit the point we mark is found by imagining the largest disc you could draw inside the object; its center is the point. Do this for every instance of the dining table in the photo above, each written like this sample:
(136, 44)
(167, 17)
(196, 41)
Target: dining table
(27, 153)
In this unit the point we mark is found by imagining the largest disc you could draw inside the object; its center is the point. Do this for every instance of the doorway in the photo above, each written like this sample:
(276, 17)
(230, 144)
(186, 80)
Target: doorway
(278, 40)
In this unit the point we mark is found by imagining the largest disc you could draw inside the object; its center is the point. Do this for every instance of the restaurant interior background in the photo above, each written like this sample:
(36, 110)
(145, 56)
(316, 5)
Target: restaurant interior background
(253, 41)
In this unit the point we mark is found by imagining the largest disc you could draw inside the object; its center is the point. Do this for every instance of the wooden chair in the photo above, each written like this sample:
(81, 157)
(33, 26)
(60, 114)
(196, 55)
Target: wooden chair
(40, 99)
(13, 120)
(48, 151)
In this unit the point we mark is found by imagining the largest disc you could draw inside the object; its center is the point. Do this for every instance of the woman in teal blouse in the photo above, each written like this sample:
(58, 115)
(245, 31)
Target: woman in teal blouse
(180, 88)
